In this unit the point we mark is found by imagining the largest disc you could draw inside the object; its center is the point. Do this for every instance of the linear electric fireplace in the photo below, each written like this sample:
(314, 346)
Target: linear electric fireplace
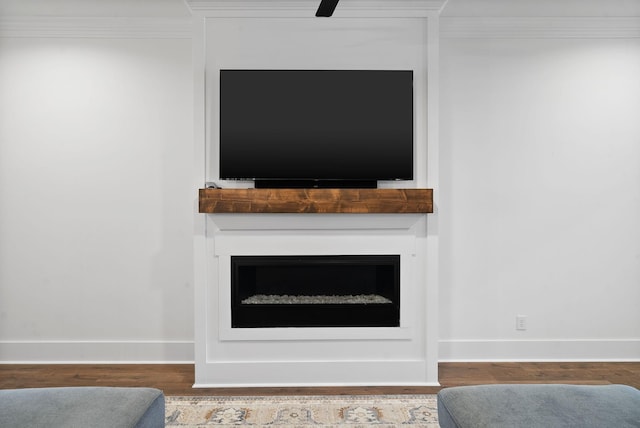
(315, 291)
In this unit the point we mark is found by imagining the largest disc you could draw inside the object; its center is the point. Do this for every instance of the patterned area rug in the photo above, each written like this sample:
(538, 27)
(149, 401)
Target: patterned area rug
(303, 411)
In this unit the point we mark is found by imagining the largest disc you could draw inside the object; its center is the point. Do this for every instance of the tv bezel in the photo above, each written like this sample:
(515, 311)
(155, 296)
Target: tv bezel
(316, 182)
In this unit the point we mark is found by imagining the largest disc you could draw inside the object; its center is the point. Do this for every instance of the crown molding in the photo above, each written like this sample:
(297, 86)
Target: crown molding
(539, 27)
(307, 8)
(90, 27)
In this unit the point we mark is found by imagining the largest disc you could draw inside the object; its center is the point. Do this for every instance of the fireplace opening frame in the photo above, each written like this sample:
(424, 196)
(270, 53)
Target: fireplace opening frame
(315, 291)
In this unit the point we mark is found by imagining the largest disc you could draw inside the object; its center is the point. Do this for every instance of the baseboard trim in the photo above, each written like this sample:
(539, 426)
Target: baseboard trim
(316, 373)
(96, 352)
(182, 352)
(613, 350)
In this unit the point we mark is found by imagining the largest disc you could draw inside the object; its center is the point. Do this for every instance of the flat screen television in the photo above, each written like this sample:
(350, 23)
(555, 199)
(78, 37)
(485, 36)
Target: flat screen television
(316, 128)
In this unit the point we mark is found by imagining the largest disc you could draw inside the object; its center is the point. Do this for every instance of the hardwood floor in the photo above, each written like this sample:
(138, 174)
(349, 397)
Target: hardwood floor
(177, 379)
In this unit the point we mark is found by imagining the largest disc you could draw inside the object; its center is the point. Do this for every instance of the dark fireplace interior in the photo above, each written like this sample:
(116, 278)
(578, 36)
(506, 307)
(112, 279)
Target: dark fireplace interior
(315, 291)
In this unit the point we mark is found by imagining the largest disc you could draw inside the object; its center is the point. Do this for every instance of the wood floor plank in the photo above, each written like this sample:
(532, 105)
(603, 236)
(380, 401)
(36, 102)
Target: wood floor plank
(178, 379)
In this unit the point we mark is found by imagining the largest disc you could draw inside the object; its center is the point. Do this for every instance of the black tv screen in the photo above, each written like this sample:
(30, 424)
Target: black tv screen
(319, 125)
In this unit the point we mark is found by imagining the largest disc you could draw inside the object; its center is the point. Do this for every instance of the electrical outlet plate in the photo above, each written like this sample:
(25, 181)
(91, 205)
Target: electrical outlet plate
(521, 322)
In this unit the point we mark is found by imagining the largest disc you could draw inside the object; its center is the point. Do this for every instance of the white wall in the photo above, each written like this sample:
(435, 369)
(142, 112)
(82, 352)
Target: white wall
(96, 199)
(540, 198)
(539, 192)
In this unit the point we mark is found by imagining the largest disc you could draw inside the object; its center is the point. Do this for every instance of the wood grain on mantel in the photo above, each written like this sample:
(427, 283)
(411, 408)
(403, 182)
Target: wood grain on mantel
(357, 201)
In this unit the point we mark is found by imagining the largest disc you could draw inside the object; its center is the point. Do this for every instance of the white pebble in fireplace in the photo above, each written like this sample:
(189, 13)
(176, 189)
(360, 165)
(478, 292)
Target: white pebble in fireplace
(300, 351)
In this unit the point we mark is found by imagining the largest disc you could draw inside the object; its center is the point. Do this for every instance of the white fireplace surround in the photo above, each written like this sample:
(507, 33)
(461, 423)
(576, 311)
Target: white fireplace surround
(314, 356)
(359, 36)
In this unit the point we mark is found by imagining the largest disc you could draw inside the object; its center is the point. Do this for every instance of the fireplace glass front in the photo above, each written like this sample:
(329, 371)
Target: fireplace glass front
(315, 291)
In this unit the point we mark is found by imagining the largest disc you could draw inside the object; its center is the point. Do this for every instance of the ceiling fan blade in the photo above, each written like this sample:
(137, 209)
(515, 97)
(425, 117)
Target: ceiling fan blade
(326, 7)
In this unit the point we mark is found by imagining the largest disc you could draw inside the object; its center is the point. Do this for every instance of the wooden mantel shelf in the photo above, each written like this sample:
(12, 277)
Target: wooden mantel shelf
(357, 201)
